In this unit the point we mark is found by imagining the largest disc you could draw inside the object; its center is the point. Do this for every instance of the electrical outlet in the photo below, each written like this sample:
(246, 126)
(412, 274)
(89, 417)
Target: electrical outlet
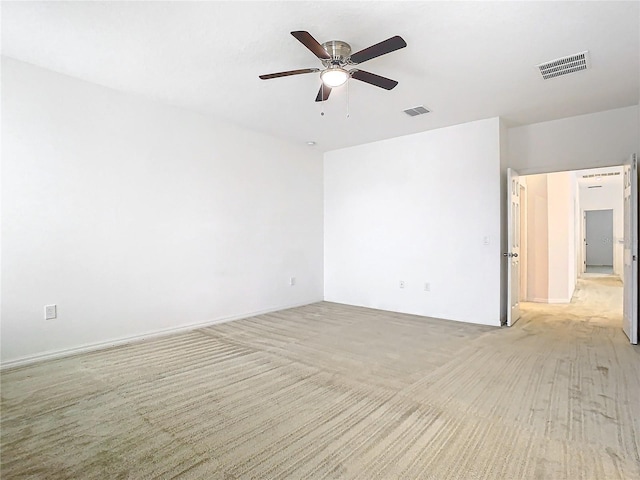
(292, 281)
(401, 283)
(427, 287)
(50, 312)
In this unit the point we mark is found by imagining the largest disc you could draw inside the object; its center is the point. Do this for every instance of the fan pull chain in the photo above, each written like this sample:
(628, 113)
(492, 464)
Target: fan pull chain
(322, 99)
(348, 98)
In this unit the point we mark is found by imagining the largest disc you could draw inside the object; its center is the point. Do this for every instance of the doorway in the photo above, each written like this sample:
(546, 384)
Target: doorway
(572, 229)
(598, 226)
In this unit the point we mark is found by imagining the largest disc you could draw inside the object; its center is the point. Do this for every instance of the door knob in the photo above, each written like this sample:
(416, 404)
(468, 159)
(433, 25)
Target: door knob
(514, 255)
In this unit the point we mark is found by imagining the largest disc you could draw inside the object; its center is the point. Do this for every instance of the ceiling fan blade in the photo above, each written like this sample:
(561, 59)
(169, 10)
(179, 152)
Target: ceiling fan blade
(387, 46)
(323, 93)
(373, 79)
(312, 44)
(290, 72)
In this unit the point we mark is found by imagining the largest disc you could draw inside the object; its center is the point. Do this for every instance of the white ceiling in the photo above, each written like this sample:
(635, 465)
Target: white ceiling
(464, 60)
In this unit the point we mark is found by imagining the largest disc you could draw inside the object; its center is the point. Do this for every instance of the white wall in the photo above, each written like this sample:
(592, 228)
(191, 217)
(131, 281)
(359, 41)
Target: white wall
(574, 233)
(586, 141)
(577, 228)
(551, 245)
(417, 209)
(537, 239)
(135, 217)
(561, 237)
(609, 196)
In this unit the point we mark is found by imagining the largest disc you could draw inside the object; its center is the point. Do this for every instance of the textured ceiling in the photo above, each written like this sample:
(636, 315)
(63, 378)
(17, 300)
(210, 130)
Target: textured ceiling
(464, 60)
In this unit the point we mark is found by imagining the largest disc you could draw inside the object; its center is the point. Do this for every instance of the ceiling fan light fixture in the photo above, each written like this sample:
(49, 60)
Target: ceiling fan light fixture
(335, 55)
(334, 76)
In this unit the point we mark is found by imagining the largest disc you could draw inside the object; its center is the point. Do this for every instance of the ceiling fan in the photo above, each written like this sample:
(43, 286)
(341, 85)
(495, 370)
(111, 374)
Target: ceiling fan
(335, 55)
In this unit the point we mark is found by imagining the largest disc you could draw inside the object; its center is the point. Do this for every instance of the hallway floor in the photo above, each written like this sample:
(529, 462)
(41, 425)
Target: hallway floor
(597, 300)
(606, 269)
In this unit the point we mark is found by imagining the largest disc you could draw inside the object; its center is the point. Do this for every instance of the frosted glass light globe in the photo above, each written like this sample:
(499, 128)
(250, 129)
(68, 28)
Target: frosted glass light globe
(334, 76)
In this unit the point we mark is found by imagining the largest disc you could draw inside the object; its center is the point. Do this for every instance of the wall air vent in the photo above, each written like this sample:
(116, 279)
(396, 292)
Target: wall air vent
(414, 111)
(565, 65)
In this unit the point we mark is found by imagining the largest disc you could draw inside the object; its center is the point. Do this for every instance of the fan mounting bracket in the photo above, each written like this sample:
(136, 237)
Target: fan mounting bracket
(339, 51)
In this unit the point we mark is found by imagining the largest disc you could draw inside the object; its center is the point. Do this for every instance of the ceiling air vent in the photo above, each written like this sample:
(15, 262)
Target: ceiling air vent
(564, 65)
(420, 110)
(607, 174)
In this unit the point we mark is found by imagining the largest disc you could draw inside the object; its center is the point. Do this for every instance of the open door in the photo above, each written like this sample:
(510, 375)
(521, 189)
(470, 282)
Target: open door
(583, 232)
(630, 308)
(513, 234)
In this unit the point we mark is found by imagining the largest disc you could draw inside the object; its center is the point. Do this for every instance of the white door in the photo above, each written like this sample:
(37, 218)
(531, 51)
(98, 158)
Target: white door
(630, 309)
(522, 259)
(599, 235)
(513, 252)
(583, 266)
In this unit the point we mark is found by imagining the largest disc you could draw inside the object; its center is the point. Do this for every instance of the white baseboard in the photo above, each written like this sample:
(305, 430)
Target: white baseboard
(549, 300)
(559, 300)
(418, 314)
(537, 300)
(91, 347)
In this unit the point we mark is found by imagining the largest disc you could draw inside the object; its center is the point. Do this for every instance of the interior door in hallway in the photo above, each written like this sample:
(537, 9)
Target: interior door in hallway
(599, 239)
(630, 308)
(513, 250)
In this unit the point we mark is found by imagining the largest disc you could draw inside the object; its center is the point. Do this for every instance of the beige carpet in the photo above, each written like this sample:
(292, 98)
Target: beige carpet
(338, 392)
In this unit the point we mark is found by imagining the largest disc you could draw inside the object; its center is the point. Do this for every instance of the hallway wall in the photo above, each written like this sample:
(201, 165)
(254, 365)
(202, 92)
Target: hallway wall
(561, 230)
(551, 247)
(537, 240)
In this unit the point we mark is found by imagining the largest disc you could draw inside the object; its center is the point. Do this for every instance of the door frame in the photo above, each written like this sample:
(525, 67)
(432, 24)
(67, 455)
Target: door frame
(630, 262)
(512, 251)
(505, 222)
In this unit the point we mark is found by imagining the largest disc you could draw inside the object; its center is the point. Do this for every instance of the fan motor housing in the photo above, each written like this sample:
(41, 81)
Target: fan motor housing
(339, 51)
